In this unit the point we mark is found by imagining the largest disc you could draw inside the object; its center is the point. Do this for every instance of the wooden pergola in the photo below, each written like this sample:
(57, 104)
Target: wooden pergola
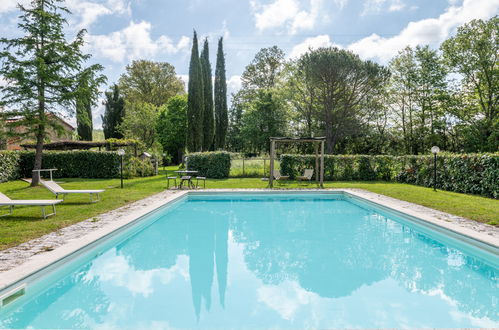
(315, 140)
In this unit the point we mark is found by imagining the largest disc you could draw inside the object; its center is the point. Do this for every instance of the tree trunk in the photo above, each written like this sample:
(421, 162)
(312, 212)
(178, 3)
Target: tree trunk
(40, 135)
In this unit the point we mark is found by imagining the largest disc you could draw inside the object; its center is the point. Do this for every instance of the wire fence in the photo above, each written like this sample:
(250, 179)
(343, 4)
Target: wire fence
(251, 167)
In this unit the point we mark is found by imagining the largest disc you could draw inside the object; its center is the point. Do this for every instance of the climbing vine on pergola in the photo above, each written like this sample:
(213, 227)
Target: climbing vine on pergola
(317, 141)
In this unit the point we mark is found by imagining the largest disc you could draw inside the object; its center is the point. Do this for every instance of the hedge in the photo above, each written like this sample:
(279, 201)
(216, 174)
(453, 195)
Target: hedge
(9, 165)
(465, 173)
(74, 164)
(214, 165)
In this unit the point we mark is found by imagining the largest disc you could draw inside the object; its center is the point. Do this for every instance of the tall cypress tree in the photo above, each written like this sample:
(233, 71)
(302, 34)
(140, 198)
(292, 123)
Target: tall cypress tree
(208, 117)
(113, 114)
(195, 101)
(221, 113)
(87, 93)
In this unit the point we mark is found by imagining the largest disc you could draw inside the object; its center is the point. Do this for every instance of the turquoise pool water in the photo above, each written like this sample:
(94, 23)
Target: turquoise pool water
(267, 261)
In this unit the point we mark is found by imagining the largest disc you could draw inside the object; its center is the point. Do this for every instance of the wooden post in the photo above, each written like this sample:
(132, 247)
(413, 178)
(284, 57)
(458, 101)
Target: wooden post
(271, 174)
(243, 166)
(264, 167)
(316, 145)
(322, 162)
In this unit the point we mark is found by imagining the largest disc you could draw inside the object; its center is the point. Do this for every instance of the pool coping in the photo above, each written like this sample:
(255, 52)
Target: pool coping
(41, 260)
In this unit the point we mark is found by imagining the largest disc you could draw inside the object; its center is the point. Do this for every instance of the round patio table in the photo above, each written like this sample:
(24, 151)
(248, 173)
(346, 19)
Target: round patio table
(186, 176)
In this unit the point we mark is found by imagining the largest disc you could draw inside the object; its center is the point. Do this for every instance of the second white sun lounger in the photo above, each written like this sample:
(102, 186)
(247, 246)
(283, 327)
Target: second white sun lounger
(58, 190)
(6, 201)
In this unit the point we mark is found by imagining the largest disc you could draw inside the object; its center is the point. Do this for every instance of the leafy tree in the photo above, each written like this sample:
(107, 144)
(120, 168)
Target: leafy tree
(473, 53)
(139, 123)
(257, 105)
(87, 95)
(264, 69)
(221, 113)
(172, 127)
(342, 84)
(418, 93)
(265, 118)
(42, 69)
(113, 114)
(150, 82)
(208, 116)
(195, 101)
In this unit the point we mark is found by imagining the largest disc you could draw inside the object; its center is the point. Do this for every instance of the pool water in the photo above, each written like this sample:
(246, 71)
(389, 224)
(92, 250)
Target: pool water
(267, 261)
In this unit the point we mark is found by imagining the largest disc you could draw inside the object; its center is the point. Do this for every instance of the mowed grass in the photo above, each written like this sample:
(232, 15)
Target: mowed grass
(26, 223)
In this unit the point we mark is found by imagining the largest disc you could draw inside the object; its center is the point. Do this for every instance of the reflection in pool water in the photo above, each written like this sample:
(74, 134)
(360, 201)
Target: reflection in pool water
(279, 263)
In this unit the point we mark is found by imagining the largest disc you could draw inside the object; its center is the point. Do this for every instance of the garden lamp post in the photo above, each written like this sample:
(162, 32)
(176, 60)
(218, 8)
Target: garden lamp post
(121, 153)
(435, 150)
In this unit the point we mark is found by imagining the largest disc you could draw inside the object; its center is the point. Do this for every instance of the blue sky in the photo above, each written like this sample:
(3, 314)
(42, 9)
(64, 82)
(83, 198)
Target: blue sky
(120, 31)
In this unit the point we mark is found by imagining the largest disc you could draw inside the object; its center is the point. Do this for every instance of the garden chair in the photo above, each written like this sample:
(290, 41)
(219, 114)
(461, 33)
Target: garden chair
(58, 190)
(168, 178)
(6, 201)
(202, 178)
(307, 175)
(279, 177)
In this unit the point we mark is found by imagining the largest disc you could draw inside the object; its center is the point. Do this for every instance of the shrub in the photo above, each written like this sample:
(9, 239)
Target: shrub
(9, 165)
(465, 173)
(74, 164)
(136, 167)
(214, 165)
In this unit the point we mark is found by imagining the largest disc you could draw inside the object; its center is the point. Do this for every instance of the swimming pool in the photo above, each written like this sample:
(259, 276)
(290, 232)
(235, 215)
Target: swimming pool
(267, 261)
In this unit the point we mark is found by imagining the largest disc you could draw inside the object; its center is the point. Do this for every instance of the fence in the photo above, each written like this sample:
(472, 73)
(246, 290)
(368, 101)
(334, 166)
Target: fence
(255, 167)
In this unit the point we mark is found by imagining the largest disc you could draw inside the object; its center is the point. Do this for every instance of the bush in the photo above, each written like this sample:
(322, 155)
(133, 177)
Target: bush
(74, 164)
(136, 167)
(9, 165)
(465, 173)
(214, 165)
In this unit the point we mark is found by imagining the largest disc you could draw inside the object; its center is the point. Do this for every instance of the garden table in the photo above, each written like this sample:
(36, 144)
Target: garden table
(186, 176)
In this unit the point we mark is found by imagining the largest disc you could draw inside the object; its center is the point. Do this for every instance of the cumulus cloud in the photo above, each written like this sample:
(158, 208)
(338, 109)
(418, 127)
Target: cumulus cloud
(286, 14)
(377, 6)
(312, 43)
(11, 5)
(88, 12)
(430, 31)
(134, 42)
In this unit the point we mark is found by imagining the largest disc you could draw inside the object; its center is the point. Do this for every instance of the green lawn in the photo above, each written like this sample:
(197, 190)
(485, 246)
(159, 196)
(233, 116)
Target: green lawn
(26, 223)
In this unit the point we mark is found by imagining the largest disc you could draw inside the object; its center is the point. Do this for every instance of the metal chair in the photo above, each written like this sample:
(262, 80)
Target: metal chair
(168, 178)
(202, 178)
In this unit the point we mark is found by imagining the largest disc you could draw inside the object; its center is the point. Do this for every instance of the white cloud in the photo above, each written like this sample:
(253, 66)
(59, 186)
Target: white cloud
(430, 31)
(134, 42)
(11, 5)
(377, 6)
(287, 14)
(88, 12)
(233, 84)
(319, 41)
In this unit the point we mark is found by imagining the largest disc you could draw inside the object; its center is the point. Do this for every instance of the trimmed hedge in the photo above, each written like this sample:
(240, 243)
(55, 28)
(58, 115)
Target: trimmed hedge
(9, 165)
(214, 165)
(74, 164)
(466, 173)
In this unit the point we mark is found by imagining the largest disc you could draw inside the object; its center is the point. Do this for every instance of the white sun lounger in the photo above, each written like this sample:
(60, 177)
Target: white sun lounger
(6, 201)
(307, 175)
(58, 190)
(278, 176)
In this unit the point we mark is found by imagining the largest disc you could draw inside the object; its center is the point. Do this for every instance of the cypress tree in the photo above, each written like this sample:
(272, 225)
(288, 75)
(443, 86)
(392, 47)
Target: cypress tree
(113, 114)
(195, 101)
(221, 113)
(208, 117)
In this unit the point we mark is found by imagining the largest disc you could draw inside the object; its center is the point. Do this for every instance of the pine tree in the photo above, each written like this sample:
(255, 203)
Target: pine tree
(221, 113)
(195, 101)
(208, 116)
(43, 69)
(113, 114)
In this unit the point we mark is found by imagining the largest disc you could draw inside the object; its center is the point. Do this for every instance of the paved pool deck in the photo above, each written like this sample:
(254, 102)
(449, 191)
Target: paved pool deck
(25, 259)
